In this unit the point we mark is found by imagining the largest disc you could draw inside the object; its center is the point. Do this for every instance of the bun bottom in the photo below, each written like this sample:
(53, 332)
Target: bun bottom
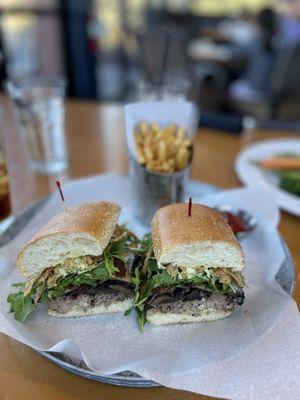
(157, 317)
(82, 311)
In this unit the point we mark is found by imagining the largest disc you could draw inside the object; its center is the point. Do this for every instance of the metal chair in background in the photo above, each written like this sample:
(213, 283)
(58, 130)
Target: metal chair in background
(282, 98)
(285, 85)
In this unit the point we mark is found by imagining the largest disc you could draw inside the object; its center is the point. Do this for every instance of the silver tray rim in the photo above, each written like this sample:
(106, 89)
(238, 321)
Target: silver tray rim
(285, 277)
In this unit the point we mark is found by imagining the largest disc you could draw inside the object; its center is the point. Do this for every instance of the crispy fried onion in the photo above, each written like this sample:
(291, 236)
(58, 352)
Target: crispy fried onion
(121, 232)
(226, 276)
(148, 255)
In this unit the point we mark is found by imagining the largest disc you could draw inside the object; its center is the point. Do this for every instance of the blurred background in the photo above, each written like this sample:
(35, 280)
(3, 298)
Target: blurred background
(233, 58)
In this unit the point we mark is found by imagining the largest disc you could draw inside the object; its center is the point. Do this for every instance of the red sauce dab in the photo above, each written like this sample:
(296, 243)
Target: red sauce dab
(236, 223)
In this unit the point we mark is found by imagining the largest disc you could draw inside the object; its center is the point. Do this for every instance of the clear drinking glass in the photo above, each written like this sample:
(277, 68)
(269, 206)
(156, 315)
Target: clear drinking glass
(39, 108)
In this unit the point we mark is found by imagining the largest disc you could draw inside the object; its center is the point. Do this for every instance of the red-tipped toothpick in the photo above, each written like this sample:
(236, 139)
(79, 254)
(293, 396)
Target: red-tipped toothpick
(190, 207)
(61, 195)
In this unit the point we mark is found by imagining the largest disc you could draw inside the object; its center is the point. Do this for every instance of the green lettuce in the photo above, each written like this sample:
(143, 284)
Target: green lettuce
(21, 305)
(115, 249)
(162, 278)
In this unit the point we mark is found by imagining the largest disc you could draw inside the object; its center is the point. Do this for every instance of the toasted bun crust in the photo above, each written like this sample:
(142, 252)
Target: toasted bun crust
(81, 230)
(82, 311)
(157, 317)
(202, 239)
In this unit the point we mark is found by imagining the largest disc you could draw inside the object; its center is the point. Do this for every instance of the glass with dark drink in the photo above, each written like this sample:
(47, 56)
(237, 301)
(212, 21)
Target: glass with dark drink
(5, 207)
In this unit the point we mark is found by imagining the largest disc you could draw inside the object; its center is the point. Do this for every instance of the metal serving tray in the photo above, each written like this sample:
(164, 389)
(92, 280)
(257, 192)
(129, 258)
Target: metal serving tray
(285, 277)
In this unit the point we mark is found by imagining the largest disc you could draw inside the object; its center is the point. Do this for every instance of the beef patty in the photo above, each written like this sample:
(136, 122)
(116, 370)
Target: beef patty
(194, 300)
(104, 293)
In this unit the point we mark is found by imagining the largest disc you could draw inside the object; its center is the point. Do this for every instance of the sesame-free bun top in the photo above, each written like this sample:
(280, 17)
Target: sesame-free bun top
(202, 239)
(81, 230)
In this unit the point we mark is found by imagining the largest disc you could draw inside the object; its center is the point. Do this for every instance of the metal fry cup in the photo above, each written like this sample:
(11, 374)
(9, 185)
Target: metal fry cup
(153, 190)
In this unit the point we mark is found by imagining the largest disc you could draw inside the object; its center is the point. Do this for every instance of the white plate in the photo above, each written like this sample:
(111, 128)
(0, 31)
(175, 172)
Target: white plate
(251, 175)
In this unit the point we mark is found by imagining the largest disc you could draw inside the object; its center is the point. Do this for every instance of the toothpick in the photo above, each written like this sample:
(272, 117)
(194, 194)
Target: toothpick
(190, 207)
(62, 196)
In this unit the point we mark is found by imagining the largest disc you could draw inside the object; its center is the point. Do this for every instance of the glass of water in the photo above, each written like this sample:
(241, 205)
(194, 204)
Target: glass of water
(39, 108)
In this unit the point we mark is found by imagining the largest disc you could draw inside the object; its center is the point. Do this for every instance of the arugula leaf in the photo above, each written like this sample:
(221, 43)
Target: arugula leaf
(163, 279)
(19, 284)
(109, 265)
(27, 307)
(21, 305)
(100, 273)
(116, 249)
(141, 318)
(136, 279)
(127, 312)
(145, 291)
(152, 267)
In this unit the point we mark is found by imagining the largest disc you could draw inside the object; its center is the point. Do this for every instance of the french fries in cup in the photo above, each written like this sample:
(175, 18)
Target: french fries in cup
(159, 138)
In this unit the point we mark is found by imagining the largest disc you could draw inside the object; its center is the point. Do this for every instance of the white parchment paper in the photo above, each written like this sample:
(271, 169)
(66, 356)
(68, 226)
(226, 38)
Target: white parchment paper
(253, 354)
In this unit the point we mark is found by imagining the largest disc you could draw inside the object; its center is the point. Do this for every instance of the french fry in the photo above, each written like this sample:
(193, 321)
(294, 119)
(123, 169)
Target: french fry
(143, 127)
(187, 142)
(165, 167)
(162, 151)
(171, 165)
(159, 135)
(148, 140)
(140, 155)
(168, 133)
(181, 133)
(155, 127)
(172, 129)
(148, 153)
(171, 150)
(138, 138)
(150, 165)
(182, 158)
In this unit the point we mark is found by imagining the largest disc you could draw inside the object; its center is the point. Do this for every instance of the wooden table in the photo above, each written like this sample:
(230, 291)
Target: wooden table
(96, 145)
